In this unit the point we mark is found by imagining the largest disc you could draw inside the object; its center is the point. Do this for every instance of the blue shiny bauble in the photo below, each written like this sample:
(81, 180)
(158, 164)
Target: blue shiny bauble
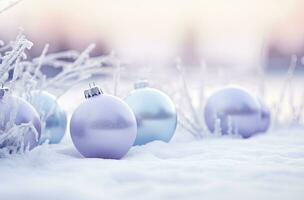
(235, 109)
(21, 113)
(265, 117)
(103, 126)
(155, 114)
(51, 114)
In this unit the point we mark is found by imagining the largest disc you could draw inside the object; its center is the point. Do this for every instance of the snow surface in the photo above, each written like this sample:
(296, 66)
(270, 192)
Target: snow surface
(269, 166)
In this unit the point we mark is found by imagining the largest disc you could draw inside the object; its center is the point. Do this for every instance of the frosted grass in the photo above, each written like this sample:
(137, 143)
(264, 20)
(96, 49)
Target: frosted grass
(27, 77)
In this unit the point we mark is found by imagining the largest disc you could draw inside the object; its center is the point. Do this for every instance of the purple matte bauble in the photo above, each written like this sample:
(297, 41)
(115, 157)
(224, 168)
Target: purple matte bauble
(25, 113)
(237, 111)
(265, 117)
(103, 127)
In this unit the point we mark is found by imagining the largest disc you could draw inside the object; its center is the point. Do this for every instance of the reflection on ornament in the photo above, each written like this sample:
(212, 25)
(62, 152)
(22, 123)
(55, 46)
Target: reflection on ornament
(53, 117)
(103, 126)
(16, 111)
(155, 113)
(236, 111)
(265, 117)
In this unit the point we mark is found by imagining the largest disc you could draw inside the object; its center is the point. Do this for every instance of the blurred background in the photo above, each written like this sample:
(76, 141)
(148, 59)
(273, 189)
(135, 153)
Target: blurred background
(239, 34)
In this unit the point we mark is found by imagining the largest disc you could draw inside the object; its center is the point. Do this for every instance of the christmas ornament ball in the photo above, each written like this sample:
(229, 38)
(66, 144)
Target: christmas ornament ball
(103, 126)
(236, 111)
(16, 110)
(265, 117)
(155, 114)
(53, 117)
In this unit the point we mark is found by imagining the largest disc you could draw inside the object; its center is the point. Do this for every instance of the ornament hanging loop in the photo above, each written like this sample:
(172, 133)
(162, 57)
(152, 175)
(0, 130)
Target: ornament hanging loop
(93, 91)
(3, 90)
(141, 83)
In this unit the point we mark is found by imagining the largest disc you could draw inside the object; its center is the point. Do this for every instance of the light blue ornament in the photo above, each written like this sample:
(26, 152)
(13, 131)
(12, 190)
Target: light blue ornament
(155, 114)
(53, 117)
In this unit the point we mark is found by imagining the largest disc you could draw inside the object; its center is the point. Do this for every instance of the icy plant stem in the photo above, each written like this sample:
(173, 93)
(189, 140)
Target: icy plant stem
(40, 61)
(262, 83)
(186, 128)
(262, 71)
(5, 4)
(14, 55)
(288, 79)
(202, 95)
(191, 127)
(188, 98)
(202, 86)
(116, 78)
(292, 103)
(299, 110)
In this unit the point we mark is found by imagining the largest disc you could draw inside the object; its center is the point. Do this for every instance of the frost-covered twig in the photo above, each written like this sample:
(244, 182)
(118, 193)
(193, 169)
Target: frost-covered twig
(75, 67)
(299, 110)
(187, 124)
(14, 56)
(292, 105)
(7, 4)
(202, 86)
(288, 79)
(261, 71)
(186, 128)
(194, 114)
(116, 76)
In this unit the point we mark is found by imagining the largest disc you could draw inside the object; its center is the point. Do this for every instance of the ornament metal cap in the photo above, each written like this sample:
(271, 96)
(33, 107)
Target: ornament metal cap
(141, 83)
(3, 90)
(92, 92)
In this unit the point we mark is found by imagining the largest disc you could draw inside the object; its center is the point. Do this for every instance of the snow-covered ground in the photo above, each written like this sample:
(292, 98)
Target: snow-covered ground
(269, 166)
